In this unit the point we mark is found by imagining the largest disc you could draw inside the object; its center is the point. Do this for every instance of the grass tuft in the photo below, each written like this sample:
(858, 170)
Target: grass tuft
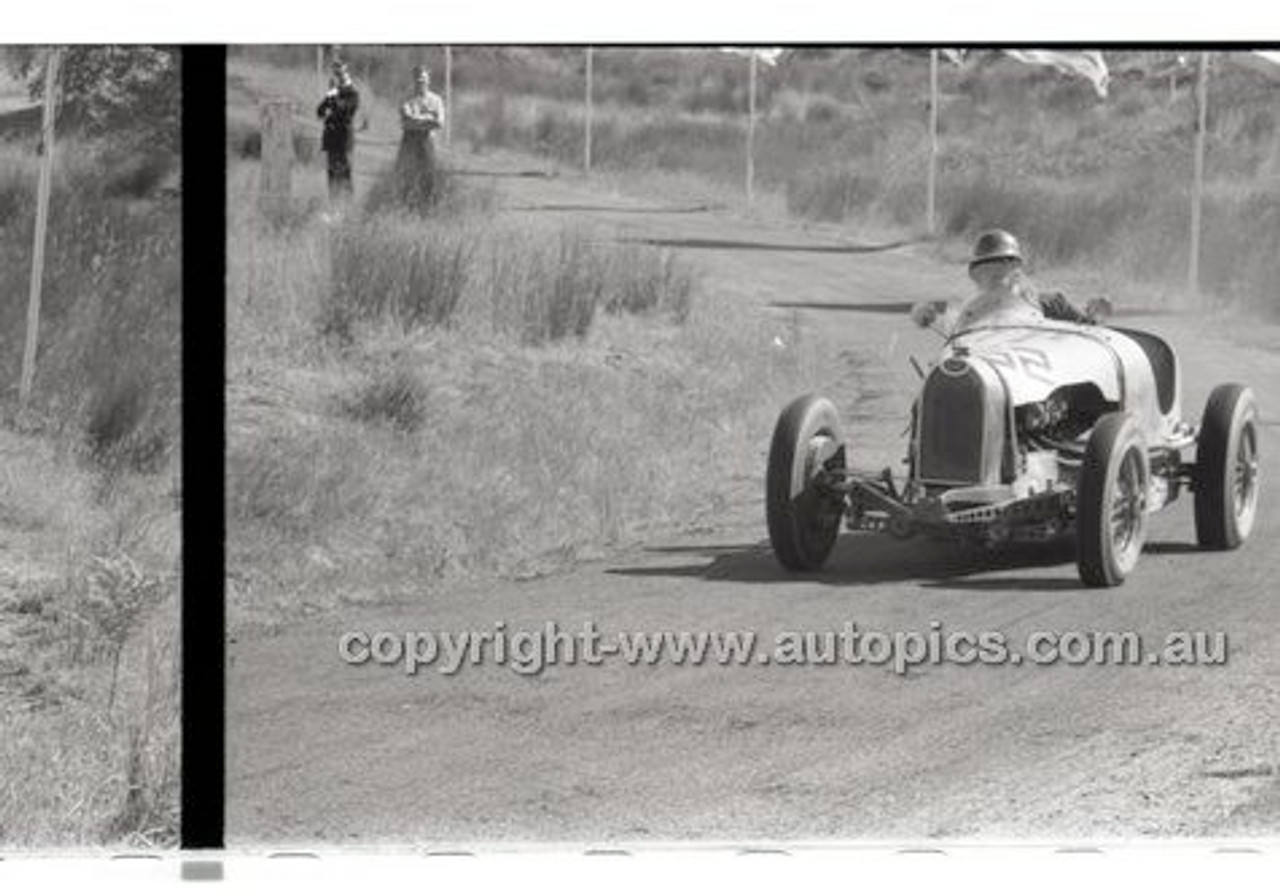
(394, 396)
(397, 266)
(540, 287)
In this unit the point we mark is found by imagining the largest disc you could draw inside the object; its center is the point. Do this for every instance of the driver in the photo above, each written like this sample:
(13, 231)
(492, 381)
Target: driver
(1005, 294)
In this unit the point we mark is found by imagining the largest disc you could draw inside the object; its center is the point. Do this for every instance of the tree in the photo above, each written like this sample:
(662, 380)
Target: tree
(131, 93)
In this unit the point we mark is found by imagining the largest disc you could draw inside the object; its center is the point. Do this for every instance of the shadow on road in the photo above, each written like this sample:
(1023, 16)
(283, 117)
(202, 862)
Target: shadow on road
(994, 585)
(886, 307)
(875, 559)
(748, 245)
(1171, 548)
(480, 172)
(613, 209)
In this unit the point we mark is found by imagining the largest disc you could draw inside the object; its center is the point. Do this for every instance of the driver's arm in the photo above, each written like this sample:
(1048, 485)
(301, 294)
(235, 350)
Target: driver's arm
(1056, 307)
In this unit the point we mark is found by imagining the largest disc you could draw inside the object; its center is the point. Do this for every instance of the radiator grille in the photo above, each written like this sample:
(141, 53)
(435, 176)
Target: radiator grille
(952, 425)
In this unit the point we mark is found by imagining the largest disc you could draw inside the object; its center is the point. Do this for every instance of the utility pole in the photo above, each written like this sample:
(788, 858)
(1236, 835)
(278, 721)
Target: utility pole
(42, 224)
(751, 128)
(1197, 187)
(586, 137)
(931, 199)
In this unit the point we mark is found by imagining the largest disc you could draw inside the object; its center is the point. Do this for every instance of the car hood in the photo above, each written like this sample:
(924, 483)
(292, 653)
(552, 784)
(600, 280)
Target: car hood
(1035, 360)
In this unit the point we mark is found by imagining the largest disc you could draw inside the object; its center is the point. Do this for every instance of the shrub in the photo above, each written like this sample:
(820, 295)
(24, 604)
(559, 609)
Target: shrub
(651, 281)
(544, 290)
(138, 176)
(410, 270)
(876, 82)
(116, 598)
(821, 111)
(133, 93)
(1132, 104)
(118, 434)
(244, 140)
(423, 272)
(715, 91)
(1241, 262)
(110, 310)
(394, 396)
(18, 173)
(301, 483)
(567, 285)
(450, 197)
(1059, 226)
(830, 194)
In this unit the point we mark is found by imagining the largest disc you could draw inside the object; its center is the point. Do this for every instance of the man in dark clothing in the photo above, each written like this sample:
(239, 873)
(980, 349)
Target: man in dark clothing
(338, 110)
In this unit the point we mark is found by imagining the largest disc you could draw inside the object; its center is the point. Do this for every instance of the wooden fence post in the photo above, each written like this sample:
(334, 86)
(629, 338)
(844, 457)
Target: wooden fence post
(931, 198)
(590, 114)
(275, 183)
(1197, 186)
(751, 128)
(42, 225)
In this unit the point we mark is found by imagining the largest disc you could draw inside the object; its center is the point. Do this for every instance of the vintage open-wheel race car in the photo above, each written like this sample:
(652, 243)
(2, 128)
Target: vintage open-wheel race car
(1027, 432)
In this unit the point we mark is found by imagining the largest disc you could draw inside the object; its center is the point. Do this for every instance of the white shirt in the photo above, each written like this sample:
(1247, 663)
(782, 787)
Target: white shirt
(418, 112)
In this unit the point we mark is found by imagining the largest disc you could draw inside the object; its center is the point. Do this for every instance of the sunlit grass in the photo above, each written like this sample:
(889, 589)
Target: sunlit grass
(89, 482)
(500, 400)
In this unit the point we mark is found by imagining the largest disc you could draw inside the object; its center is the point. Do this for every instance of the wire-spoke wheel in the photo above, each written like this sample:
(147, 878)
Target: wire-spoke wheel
(1226, 470)
(1111, 504)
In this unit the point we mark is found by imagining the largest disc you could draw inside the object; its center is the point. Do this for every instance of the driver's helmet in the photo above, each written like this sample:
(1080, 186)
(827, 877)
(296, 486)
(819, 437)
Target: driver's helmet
(995, 245)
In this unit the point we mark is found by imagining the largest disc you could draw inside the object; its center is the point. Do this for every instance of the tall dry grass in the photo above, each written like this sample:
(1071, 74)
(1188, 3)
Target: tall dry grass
(506, 400)
(88, 502)
(89, 704)
(108, 372)
(497, 277)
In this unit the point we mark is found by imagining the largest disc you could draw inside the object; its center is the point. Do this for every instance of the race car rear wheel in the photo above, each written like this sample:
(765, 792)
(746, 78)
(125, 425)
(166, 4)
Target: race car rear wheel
(1111, 502)
(804, 519)
(1226, 470)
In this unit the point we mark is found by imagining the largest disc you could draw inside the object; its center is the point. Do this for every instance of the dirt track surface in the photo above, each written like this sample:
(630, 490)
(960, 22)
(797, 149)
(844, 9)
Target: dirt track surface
(320, 751)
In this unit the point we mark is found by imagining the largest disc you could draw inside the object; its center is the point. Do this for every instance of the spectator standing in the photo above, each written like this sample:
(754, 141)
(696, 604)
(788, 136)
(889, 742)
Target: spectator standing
(338, 111)
(421, 115)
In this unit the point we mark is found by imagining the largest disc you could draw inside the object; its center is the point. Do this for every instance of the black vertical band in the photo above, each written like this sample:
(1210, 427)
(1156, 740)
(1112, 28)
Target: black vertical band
(203, 440)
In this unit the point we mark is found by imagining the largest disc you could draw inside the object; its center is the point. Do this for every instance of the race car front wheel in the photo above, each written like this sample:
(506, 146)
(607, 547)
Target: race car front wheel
(803, 518)
(1111, 502)
(1226, 470)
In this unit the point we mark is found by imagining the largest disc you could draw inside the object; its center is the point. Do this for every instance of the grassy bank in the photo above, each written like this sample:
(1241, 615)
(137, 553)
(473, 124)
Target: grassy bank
(89, 504)
(109, 368)
(89, 670)
(499, 399)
